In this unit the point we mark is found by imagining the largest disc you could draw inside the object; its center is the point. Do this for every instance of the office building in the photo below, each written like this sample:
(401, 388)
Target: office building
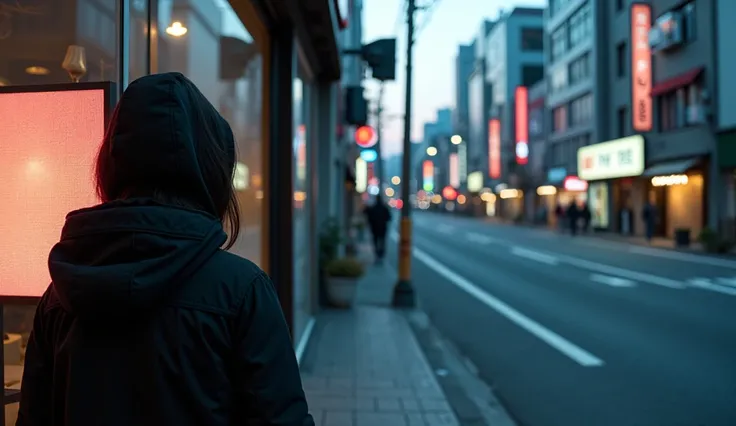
(479, 99)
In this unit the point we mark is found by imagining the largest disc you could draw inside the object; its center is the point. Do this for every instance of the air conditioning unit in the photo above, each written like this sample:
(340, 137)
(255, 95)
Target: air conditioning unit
(667, 32)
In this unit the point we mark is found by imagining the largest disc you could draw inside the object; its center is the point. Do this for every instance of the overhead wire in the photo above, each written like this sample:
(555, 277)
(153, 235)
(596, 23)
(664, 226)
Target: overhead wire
(428, 9)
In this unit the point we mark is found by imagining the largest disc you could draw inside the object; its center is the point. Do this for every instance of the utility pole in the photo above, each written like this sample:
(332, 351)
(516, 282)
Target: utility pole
(379, 160)
(403, 291)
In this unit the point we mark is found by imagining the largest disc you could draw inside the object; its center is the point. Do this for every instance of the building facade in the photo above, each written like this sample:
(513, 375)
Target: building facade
(479, 100)
(260, 64)
(514, 58)
(464, 64)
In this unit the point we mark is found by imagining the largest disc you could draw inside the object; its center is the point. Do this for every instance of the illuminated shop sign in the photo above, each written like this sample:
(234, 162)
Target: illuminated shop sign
(574, 184)
(475, 181)
(428, 175)
(361, 175)
(556, 175)
(670, 180)
(462, 154)
(546, 190)
(610, 160)
(521, 102)
(494, 148)
(641, 67)
(598, 204)
(454, 172)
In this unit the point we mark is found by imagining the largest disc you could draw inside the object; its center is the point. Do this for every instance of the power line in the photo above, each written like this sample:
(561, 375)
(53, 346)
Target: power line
(400, 16)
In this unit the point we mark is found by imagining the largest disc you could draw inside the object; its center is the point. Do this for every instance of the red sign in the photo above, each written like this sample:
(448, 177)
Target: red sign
(641, 68)
(449, 193)
(365, 136)
(521, 101)
(575, 184)
(494, 148)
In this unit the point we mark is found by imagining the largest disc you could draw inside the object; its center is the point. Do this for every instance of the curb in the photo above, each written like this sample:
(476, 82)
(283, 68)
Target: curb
(472, 399)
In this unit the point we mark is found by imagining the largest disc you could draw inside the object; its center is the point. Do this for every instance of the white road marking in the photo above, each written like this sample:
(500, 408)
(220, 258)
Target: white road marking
(684, 257)
(535, 255)
(727, 281)
(707, 284)
(625, 273)
(612, 281)
(569, 349)
(479, 238)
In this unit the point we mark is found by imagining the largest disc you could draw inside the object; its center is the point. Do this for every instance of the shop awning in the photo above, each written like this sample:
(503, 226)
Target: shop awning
(676, 82)
(671, 168)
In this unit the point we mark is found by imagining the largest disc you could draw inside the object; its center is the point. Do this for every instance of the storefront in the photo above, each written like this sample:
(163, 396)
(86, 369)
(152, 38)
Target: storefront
(615, 198)
(254, 66)
(561, 190)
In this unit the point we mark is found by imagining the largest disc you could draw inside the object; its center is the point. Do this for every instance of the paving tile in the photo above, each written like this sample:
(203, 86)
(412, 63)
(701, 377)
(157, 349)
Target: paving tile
(410, 404)
(317, 415)
(388, 404)
(415, 419)
(434, 404)
(441, 419)
(381, 419)
(338, 418)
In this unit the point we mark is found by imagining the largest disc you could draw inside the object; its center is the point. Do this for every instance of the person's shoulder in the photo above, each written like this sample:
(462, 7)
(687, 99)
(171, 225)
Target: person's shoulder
(222, 284)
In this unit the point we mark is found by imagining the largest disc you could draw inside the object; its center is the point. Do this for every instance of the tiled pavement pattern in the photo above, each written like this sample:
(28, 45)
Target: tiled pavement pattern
(364, 367)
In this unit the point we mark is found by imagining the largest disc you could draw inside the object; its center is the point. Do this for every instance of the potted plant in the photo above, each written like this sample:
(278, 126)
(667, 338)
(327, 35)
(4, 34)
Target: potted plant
(330, 239)
(342, 279)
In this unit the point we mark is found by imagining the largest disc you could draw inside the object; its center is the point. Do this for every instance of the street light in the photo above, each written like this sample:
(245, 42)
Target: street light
(431, 151)
(396, 180)
(456, 139)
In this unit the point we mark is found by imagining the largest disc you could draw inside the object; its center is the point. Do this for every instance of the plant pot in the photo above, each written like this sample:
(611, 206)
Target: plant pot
(341, 291)
(682, 237)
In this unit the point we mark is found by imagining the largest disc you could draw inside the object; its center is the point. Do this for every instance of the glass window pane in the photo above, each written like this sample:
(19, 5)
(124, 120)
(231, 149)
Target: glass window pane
(212, 47)
(138, 39)
(34, 37)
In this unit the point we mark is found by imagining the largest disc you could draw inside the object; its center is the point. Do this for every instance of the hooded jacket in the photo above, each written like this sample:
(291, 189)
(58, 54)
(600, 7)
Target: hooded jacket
(147, 321)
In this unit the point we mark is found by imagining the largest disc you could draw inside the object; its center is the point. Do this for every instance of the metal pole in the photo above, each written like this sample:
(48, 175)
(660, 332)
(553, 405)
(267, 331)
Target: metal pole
(379, 160)
(403, 291)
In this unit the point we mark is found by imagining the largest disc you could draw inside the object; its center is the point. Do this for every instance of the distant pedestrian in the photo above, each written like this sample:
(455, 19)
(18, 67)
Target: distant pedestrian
(560, 217)
(379, 216)
(649, 215)
(573, 214)
(585, 215)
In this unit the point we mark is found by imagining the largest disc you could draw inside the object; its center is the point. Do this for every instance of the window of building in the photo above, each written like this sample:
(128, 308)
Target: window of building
(688, 18)
(559, 43)
(621, 59)
(581, 25)
(579, 69)
(619, 5)
(622, 121)
(532, 39)
(558, 79)
(555, 6)
(581, 110)
(531, 74)
(559, 119)
(682, 108)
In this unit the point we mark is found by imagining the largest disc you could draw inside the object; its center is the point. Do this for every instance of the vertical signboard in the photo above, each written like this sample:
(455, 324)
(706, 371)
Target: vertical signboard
(428, 175)
(454, 171)
(462, 154)
(641, 67)
(361, 175)
(494, 148)
(521, 102)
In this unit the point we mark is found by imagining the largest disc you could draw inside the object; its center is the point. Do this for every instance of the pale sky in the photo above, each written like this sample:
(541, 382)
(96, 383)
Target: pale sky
(452, 22)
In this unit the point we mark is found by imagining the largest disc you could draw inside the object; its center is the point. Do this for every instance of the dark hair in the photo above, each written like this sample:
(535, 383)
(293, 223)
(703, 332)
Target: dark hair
(217, 167)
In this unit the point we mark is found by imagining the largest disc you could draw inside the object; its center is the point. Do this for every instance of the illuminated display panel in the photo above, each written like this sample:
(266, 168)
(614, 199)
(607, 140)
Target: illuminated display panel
(428, 175)
(49, 143)
(454, 170)
(641, 68)
(494, 148)
(521, 102)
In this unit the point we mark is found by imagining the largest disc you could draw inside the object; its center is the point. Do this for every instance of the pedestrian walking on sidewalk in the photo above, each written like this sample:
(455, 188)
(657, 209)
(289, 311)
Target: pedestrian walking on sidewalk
(378, 215)
(148, 321)
(573, 215)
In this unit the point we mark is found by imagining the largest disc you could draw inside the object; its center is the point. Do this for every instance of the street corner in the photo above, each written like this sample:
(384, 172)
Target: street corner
(471, 399)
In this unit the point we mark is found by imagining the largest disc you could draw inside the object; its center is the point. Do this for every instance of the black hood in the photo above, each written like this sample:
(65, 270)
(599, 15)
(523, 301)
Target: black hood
(126, 256)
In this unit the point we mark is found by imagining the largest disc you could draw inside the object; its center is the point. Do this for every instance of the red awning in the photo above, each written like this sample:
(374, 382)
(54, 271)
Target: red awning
(676, 82)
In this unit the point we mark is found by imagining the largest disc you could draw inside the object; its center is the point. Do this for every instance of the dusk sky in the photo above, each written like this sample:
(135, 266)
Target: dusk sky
(452, 22)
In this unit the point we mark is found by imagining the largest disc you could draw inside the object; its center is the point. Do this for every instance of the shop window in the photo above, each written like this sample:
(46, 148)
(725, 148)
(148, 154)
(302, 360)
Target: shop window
(682, 107)
(689, 21)
(229, 72)
(532, 39)
(35, 36)
(139, 57)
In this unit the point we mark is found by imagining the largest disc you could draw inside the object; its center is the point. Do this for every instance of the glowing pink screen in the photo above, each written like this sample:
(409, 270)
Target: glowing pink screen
(48, 143)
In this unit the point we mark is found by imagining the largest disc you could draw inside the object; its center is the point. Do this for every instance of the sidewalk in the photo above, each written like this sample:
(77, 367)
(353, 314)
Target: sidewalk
(364, 366)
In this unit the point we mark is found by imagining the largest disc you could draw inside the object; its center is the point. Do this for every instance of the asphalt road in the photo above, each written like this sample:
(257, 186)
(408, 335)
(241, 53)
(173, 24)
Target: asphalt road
(580, 331)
